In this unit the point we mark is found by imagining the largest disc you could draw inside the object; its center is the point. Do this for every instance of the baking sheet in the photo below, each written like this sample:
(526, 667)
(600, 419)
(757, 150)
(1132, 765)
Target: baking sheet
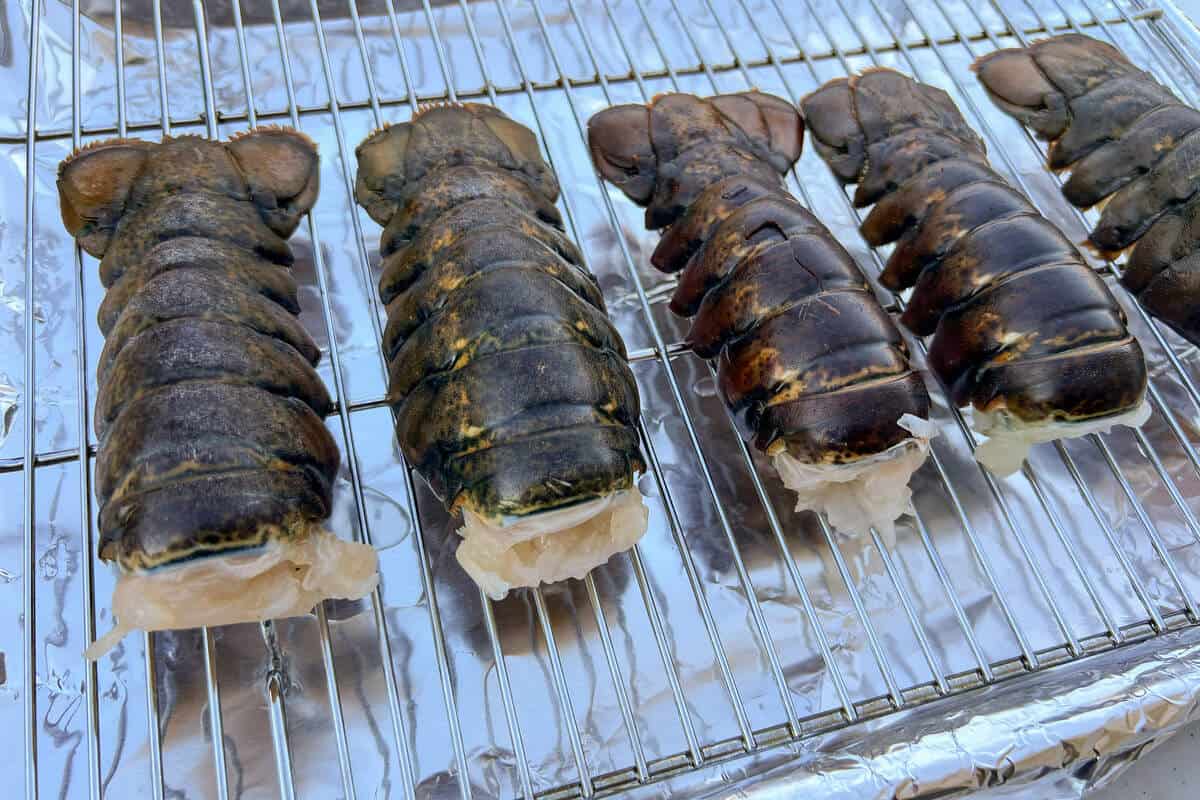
(735, 625)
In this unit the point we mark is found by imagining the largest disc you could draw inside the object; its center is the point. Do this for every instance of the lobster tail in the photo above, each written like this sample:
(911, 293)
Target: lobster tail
(1021, 328)
(209, 408)
(1128, 143)
(509, 383)
(813, 369)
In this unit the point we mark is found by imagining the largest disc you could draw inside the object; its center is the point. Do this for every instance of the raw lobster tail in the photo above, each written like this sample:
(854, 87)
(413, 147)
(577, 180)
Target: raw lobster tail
(510, 386)
(209, 409)
(1022, 329)
(1128, 143)
(813, 369)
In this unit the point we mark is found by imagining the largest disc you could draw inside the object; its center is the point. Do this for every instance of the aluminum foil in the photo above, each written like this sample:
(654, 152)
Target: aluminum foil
(1062, 734)
(737, 624)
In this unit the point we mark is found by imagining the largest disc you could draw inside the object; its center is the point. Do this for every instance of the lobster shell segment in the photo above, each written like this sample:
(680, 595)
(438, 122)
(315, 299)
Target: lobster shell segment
(1022, 329)
(1128, 144)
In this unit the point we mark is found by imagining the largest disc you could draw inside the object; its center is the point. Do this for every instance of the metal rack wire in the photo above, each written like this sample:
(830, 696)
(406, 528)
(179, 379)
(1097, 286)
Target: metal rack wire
(582, 639)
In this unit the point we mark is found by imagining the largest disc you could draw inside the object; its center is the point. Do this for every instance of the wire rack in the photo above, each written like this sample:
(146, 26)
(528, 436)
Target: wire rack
(736, 625)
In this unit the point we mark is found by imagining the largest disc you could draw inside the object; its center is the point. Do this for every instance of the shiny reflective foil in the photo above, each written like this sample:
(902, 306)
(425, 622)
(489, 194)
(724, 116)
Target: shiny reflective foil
(1026, 636)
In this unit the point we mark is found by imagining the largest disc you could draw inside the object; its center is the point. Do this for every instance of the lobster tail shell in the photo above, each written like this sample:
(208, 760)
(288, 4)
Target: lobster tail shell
(813, 371)
(806, 359)
(1019, 323)
(209, 409)
(1128, 143)
(509, 382)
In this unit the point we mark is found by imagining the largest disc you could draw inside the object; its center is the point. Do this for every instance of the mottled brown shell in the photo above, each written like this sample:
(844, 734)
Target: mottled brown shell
(1018, 321)
(228, 262)
(806, 358)
(1129, 144)
(209, 410)
(477, 232)
(509, 383)
(665, 154)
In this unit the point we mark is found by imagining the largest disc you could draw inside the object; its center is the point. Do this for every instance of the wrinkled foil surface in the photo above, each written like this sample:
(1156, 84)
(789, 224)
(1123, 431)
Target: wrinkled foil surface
(1027, 638)
(1053, 736)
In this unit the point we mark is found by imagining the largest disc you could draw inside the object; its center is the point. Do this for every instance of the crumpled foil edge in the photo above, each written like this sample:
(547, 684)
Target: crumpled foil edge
(1053, 735)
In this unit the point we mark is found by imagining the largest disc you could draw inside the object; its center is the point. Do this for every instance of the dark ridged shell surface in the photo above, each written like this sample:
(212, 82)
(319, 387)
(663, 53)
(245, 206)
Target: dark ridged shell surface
(1018, 321)
(509, 383)
(807, 360)
(1128, 143)
(209, 409)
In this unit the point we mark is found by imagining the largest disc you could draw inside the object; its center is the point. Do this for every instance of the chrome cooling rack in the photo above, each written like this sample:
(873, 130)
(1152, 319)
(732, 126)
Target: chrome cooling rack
(736, 625)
